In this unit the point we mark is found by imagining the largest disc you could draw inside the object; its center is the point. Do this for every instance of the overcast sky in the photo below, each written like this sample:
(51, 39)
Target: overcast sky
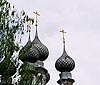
(81, 20)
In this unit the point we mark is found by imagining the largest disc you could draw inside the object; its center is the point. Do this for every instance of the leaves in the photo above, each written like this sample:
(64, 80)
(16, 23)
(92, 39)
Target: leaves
(12, 24)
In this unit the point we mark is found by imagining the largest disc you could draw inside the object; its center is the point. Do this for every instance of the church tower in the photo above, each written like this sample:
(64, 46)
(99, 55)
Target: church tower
(65, 64)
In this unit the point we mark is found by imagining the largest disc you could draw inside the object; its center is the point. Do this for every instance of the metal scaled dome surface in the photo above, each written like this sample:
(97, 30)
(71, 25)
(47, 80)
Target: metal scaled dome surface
(65, 63)
(29, 53)
(43, 50)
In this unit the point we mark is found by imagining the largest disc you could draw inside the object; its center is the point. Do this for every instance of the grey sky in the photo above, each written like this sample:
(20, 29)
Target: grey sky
(81, 20)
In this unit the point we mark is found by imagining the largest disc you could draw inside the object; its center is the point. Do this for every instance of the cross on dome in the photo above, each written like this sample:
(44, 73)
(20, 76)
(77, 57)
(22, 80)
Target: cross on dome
(63, 32)
(37, 14)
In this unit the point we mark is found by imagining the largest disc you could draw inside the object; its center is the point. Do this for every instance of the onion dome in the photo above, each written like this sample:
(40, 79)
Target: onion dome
(43, 50)
(65, 63)
(7, 67)
(29, 52)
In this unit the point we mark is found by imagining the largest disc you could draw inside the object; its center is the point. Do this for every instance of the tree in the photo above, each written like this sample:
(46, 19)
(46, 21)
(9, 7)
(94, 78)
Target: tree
(11, 24)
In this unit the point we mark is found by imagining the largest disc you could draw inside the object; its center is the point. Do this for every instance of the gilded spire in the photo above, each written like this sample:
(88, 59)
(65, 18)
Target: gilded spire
(63, 32)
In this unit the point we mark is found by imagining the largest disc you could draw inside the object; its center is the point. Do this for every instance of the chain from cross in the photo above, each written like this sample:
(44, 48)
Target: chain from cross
(37, 14)
(63, 32)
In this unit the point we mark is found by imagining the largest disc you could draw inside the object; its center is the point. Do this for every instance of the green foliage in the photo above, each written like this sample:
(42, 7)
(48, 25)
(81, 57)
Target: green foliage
(7, 68)
(26, 75)
(11, 24)
(28, 71)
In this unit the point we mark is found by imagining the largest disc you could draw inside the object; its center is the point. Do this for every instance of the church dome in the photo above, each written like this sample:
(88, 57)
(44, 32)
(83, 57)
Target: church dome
(43, 50)
(29, 53)
(65, 63)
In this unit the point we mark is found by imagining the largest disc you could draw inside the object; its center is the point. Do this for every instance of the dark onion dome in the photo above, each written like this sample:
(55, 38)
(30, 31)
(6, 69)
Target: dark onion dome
(29, 53)
(7, 68)
(65, 63)
(43, 50)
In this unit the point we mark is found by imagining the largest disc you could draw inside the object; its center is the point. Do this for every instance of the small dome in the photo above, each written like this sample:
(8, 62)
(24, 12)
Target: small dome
(65, 63)
(29, 53)
(43, 50)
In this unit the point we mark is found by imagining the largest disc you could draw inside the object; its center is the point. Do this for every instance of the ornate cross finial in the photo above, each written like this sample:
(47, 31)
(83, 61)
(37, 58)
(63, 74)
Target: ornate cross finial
(63, 32)
(37, 14)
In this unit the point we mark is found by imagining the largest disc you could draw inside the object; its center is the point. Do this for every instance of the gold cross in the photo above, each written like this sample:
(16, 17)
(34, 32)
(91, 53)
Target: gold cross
(63, 32)
(37, 14)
